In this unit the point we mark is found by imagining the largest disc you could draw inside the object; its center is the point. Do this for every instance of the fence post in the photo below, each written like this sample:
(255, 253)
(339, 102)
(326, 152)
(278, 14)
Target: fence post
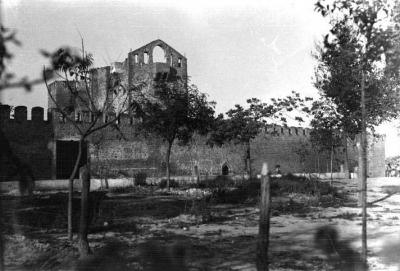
(263, 230)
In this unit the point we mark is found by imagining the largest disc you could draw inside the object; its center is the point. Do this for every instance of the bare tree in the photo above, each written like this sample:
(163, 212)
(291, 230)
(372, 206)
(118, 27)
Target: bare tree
(87, 112)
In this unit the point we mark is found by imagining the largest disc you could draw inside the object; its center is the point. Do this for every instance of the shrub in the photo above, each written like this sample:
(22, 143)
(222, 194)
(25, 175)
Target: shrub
(140, 178)
(220, 182)
(122, 189)
(172, 183)
(249, 191)
(298, 184)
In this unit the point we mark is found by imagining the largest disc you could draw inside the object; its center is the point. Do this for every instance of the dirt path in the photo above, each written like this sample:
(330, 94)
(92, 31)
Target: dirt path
(228, 240)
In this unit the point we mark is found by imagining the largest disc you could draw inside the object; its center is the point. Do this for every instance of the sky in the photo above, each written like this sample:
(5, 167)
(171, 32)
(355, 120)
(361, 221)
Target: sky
(235, 49)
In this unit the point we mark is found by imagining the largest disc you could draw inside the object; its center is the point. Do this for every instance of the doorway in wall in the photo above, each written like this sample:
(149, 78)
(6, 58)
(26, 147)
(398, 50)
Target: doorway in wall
(66, 154)
(225, 170)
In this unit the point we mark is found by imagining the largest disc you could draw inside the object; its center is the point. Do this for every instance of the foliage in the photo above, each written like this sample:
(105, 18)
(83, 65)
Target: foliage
(241, 126)
(250, 191)
(363, 38)
(244, 124)
(86, 112)
(140, 178)
(177, 112)
(359, 70)
(164, 183)
(393, 160)
(303, 150)
(293, 107)
(326, 130)
(75, 69)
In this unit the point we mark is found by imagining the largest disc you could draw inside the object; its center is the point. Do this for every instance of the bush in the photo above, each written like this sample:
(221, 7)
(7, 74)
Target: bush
(172, 183)
(140, 178)
(249, 191)
(220, 182)
(122, 189)
(298, 184)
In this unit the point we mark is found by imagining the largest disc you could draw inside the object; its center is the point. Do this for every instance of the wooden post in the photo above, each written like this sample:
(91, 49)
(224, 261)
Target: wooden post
(84, 175)
(363, 170)
(263, 239)
(331, 166)
(2, 268)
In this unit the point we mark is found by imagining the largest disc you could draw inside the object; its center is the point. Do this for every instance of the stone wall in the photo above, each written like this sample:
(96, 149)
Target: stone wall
(129, 152)
(30, 141)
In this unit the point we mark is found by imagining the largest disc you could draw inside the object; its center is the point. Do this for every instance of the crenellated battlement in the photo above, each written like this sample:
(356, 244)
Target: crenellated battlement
(288, 131)
(124, 121)
(21, 114)
(48, 143)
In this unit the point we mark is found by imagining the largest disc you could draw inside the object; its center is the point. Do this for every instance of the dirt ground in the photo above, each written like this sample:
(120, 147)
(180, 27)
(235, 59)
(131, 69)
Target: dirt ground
(131, 229)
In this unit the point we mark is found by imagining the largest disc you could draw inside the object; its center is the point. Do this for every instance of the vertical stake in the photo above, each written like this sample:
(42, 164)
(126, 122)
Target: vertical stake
(363, 170)
(263, 239)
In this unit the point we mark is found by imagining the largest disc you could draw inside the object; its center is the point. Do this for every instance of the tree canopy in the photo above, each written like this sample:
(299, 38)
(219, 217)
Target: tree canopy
(363, 38)
(177, 111)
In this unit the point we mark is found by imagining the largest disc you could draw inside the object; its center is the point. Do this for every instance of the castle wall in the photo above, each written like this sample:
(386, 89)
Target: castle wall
(128, 152)
(30, 140)
(58, 90)
(376, 156)
(148, 155)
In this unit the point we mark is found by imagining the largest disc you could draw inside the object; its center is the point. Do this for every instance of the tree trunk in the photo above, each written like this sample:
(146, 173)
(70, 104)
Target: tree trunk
(359, 187)
(346, 158)
(84, 175)
(167, 162)
(1, 239)
(248, 158)
(106, 183)
(264, 224)
(71, 189)
(331, 164)
(363, 173)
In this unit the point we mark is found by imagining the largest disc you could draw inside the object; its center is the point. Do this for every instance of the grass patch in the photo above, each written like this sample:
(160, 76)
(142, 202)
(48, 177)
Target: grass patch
(310, 191)
(172, 183)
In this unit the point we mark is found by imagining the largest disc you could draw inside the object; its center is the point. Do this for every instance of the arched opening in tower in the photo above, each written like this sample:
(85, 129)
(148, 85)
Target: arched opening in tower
(159, 55)
(225, 170)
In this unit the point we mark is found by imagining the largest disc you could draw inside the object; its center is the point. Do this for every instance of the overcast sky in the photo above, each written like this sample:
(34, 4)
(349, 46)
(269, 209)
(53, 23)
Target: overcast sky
(235, 49)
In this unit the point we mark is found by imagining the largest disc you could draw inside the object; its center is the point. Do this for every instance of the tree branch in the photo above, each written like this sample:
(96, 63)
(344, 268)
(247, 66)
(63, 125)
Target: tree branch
(58, 106)
(382, 199)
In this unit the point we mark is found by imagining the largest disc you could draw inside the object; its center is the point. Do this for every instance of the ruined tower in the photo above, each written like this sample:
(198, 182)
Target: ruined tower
(152, 61)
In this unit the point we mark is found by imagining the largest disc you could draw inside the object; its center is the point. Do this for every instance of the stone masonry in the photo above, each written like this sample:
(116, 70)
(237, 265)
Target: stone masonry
(45, 145)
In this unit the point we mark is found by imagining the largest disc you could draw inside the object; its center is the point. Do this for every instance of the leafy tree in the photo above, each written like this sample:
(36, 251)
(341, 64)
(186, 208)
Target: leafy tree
(177, 111)
(87, 113)
(242, 125)
(358, 69)
(326, 133)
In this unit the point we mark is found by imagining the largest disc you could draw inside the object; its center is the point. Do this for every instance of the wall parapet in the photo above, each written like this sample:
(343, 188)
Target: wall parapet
(21, 114)
(287, 131)
(124, 120)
